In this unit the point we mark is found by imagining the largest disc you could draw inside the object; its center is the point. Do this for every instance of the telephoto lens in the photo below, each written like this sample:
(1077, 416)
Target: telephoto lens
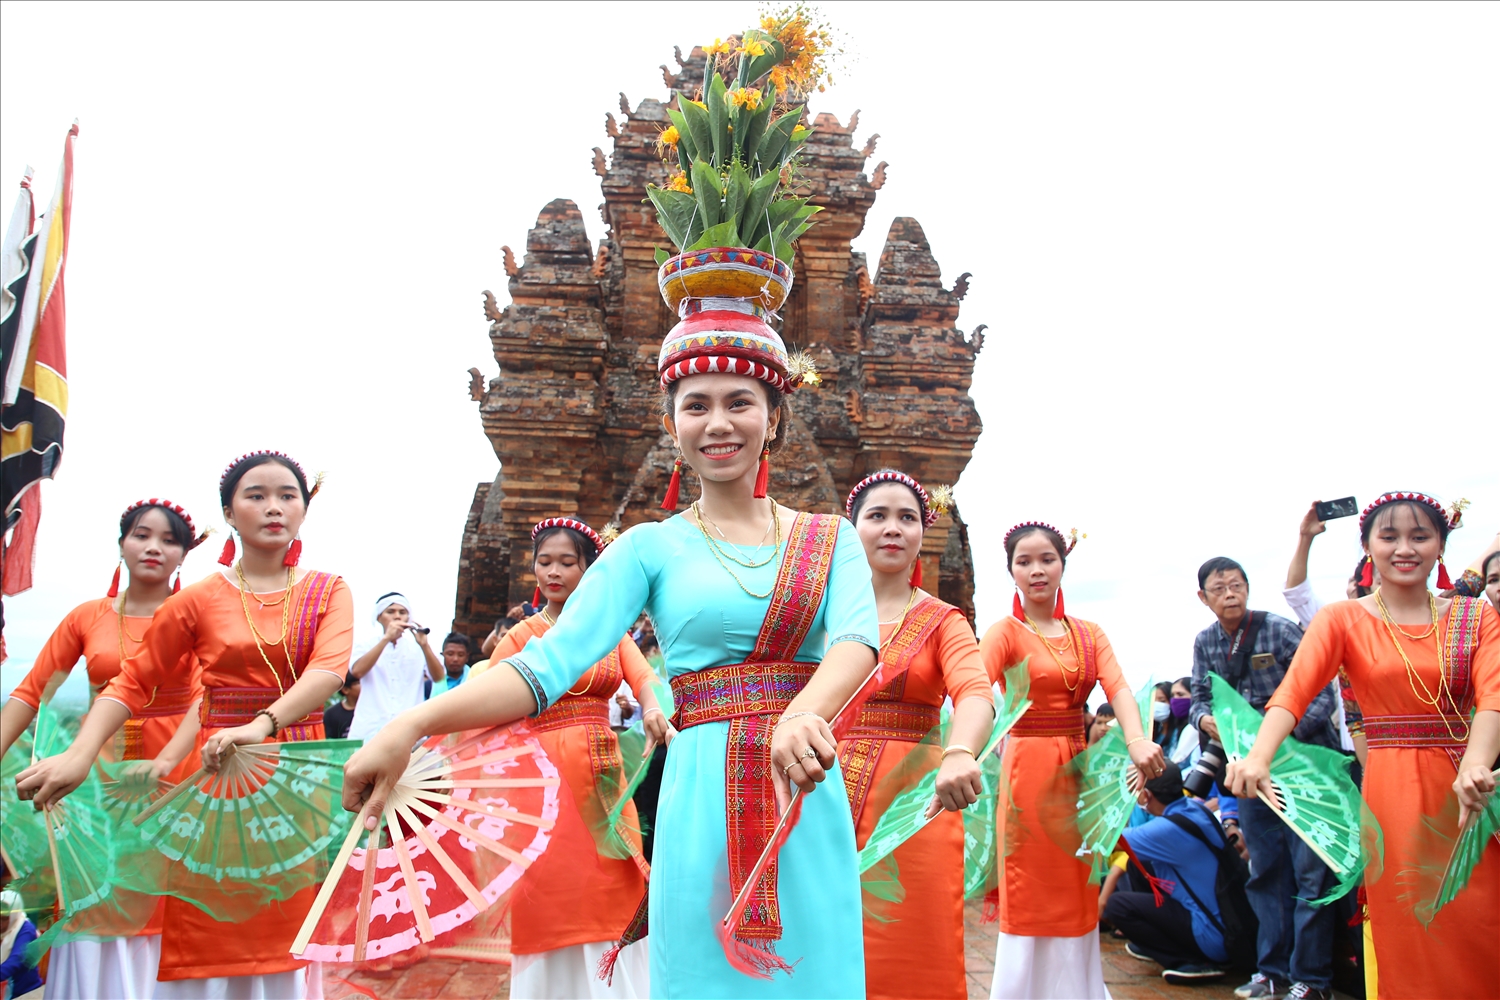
(1207, 772)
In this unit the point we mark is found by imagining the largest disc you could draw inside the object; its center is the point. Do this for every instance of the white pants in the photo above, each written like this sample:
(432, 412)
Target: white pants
(86, 968)
(298, 984)
(572, 973)
(1048, 968)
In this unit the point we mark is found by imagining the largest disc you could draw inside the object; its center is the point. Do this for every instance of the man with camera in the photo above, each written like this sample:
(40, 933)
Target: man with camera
(1252, 651)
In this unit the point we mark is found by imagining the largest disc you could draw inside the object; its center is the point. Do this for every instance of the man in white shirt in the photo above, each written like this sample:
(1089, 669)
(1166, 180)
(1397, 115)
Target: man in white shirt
(392, 671)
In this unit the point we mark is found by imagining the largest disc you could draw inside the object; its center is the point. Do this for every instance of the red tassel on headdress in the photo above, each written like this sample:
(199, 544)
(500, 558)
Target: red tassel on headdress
(1367, 574)
(763, 475)
(1017, 608)
(1059, 612)
(536, 597)
(1444, 581)
(114, 585)
(916, 573)
(293, 553)
(177, 582)
(226, 558)
(674, 487)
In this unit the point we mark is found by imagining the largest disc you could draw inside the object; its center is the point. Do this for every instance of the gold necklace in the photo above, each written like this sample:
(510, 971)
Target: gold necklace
(1413, 679)
(124, 632)
(286, 614)
(547, 618)
(745, 560)
(880, 653)
(1068, 627)
(718, 549)
(715, 550)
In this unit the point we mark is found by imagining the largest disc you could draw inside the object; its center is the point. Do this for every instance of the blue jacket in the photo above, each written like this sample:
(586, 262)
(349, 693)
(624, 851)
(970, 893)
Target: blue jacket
(22, 977)
(1182, 859)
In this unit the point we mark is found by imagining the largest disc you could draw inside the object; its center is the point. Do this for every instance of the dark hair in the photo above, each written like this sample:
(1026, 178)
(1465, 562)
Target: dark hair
(1014, 539)
(1165, 687)
(1167, 786)
(176, 526)
(459, 639)
(1359, 573)
(1484, 567)
(1105, 709)
(504, 625)
(1186, 682)
(864, 494)
(582, 544)
(775, 400)
(237, 472)
(1221, 564)
(1438, 521)
(349, 681)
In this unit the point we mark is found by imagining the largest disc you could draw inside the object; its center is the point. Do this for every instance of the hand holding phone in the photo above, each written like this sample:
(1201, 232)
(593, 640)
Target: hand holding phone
(1328, 510)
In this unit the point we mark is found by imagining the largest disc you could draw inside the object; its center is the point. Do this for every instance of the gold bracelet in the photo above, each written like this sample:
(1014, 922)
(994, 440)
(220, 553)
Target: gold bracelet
(955, 748)
(796, 715)
(1138, 739)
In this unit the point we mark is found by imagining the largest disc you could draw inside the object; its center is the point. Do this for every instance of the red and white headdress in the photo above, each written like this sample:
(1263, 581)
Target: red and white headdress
(1071, 537)
(264, 453)
(569, 522)
(1452, 516)
(934, 505)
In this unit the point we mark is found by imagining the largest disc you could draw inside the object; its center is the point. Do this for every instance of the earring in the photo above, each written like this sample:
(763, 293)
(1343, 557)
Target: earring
(1367, 573)
(1444, 582)
(1017, 608)
(293, 553)
(1059, 612)
(674, 486)
(177, 582)
(114, 585)
(916, 573)
(763, 475)
(536, 597)
(226, 558)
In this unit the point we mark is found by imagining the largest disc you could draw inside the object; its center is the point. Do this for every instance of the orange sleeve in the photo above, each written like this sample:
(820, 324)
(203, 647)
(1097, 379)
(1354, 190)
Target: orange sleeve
(1110, 676)
(334, 642)
(1485, 666)
(168, 641)
(964, 674)
(512, 642)
(58, 656)
(995, 651)
(638, 672)
(1316, 662)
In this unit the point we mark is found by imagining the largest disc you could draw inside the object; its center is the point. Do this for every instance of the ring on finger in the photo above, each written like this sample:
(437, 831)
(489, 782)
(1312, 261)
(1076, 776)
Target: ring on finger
(795, 763)
(809, 753)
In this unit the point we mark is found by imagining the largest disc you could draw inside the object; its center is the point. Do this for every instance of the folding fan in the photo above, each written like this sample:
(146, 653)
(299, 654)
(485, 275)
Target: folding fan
(23, 831)
(1440, 886)
(618, 787)
(1315, 795)
(254, 832)
(907, 813)
(460, 827)
(980, 849)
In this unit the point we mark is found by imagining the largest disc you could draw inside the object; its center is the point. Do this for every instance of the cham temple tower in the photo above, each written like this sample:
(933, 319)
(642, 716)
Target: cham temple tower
(575, 414)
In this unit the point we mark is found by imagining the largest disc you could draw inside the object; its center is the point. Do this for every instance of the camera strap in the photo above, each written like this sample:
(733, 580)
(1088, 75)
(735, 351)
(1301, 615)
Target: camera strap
(1242, 647)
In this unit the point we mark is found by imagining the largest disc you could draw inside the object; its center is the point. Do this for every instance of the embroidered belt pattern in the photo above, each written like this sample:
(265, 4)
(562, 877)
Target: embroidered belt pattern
(226, 707)
(572, 711)
(1429, 730)
(167, 701)
(737, 691)
(895, 720)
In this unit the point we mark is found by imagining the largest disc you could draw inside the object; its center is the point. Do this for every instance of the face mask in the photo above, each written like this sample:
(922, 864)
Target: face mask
(1180, 707)
(1160, 710)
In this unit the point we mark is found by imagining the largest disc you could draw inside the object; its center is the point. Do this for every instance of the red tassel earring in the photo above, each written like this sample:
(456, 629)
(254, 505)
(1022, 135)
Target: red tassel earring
(916, 573)
(763, 475)
(536, 597)
(1444, 581)
(674, 489)
(1017, 608)
(226, 558)
(177, 582)
(1367, 574)
(114, 585)
(1059, 612)
(293, 553)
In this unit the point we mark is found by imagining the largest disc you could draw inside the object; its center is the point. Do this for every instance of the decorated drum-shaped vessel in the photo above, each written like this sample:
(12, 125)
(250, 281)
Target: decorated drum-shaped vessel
(725, 272)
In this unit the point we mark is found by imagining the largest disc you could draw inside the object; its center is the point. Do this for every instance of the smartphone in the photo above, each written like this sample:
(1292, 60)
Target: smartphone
(1261, 661)
(1330, 509)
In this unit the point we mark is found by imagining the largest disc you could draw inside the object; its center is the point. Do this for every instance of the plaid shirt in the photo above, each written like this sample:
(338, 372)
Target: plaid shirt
(1280, 638)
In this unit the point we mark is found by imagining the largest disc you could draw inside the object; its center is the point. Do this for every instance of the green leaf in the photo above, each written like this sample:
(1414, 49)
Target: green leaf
(777, 248)
(777, 135)
(753, 223)
(748, 141)
(707, 189)
(699, 128)
(685, 144)
(662, 256)
(674, 211)
(736, 194)
(725, 234)
(718, 120)
(752, 68)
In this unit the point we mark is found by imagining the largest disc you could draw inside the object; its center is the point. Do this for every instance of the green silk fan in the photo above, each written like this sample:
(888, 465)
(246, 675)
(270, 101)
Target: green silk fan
(618, 787)
(1315, 795)
(907, 813)
(1437, 887)
(980, 850)
(23, 831)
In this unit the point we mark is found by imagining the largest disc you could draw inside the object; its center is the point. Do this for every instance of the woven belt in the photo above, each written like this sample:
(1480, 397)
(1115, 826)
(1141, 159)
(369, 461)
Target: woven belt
(908, 721)
(737, 691)
(573, 710)
(227, 707)
(168, 701)
(1416, 731)
(1041, 722)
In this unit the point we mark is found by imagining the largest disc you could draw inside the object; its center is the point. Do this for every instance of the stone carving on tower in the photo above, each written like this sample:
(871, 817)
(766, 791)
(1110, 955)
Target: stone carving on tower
(575, 413)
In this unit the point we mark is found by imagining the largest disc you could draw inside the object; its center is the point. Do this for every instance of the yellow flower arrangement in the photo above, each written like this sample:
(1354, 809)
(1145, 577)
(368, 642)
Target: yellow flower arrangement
(679, 183)
(745, 97)
(667, 139)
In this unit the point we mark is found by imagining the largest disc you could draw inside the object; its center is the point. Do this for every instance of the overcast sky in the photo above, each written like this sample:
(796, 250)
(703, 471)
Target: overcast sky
(1232, 258)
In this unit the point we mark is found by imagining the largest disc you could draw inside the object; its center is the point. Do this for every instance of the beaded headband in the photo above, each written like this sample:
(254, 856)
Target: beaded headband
(1451, 515)
(1072, 536)
(934, 505)
(313, 487)
(568, 522)
(175, 508)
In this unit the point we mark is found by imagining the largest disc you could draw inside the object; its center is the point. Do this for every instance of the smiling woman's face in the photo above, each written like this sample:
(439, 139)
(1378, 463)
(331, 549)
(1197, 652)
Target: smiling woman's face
(720, 424)
(890, 525)
(1404, 545)
(150, 552)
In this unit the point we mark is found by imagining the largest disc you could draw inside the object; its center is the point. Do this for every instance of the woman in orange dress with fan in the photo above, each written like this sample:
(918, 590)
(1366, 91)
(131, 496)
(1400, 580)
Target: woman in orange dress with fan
(1048, 944)
(928, 649)
(1421, 665)
(573, 904)
(155, 537)
(273, 641)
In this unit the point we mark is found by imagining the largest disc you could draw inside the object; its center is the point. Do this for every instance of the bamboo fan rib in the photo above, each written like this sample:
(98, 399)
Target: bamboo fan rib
(458, 830)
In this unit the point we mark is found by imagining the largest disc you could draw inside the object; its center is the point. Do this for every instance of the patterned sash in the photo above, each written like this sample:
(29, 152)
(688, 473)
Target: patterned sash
(886, 716)
(1067, 722)
(1438, 729)
(317, 590)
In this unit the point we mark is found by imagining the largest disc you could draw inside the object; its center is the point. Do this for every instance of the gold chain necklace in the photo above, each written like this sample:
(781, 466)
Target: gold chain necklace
(547, 618)
(1413, 679)
(124, 632)
(286, 615)
(1068, 627)
(715, 550)
(880, 653)
(719, 551)
(745, 560)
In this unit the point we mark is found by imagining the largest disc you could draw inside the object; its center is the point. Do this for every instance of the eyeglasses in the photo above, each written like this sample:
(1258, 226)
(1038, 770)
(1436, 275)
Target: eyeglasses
(1219, 590)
